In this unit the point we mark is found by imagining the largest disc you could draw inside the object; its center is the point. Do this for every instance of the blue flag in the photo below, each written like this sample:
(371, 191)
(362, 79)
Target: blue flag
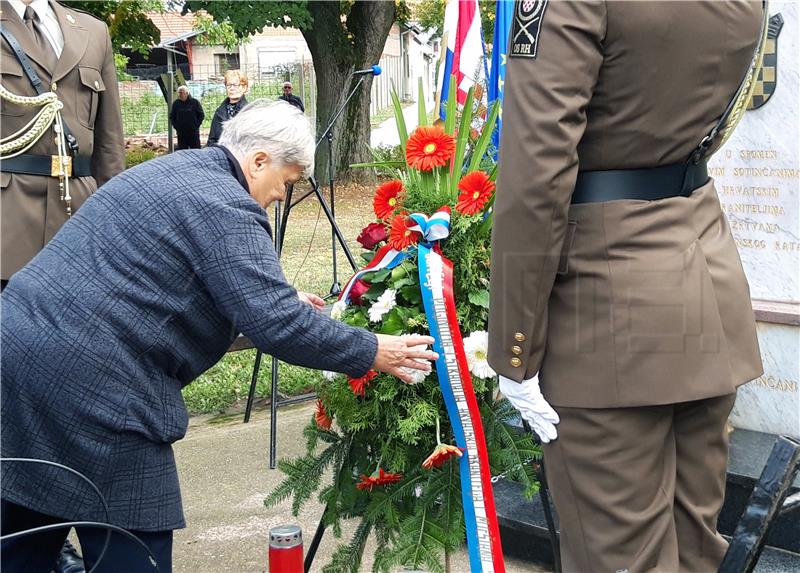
(502, 25)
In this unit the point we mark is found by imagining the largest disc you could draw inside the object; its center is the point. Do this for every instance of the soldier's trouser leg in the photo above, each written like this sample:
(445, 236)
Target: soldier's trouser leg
(702, 454)
(628, 491)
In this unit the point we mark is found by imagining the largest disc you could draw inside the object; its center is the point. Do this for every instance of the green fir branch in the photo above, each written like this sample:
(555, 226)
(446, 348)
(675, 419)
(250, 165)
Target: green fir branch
(421, 543)
(510, 451)
(347, 558)
(446, 489)
(303, 477)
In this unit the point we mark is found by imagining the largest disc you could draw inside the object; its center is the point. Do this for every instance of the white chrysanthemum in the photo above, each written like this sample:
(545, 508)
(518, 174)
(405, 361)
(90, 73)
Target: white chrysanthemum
(476, 346)
(330, 376)
(384, 304)
(337, 309)
(417, 376)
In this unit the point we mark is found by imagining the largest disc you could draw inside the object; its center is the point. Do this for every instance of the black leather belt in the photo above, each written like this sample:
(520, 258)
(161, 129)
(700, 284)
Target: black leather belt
(43, 165)
(678, 180)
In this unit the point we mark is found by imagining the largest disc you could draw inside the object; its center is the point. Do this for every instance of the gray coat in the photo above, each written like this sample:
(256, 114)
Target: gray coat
(141, 291)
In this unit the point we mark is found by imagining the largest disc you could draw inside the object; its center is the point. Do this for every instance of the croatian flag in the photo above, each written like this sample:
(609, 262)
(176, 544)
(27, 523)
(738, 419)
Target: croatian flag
(462, 50)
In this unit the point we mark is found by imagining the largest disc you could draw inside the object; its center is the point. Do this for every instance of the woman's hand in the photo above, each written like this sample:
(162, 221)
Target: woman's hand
(398, 352)
(311, 299)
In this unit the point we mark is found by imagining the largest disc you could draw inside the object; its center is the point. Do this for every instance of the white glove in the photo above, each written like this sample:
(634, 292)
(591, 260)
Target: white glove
(526, 397)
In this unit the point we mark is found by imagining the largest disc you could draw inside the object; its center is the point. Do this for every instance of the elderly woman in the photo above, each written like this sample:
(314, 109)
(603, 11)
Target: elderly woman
(236, 84)
(141, 291)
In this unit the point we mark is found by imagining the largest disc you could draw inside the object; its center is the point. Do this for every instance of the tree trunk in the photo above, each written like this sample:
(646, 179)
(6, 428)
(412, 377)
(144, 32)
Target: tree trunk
(336, 52)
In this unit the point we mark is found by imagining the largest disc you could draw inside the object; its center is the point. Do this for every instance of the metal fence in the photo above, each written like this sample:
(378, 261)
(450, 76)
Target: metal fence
(145, 110)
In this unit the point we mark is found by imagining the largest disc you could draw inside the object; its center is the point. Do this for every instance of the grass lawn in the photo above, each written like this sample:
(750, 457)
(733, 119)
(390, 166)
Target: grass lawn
(307, 263)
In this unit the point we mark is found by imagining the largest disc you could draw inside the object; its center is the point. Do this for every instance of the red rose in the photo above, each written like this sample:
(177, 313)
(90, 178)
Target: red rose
(371, 235)
(359, 288)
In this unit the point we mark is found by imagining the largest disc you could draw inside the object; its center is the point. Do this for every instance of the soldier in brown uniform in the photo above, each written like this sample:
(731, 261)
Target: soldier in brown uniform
(71, 53)
(615, 277)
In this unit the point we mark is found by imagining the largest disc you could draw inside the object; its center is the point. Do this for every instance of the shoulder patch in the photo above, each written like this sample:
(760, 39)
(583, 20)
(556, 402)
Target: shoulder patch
(528, 16)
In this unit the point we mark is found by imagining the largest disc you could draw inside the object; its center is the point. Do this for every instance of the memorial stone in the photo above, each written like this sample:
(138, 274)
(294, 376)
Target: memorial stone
(757, 176)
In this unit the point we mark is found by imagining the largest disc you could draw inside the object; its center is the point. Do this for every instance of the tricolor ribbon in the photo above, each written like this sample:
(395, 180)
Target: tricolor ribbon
(385, 258)
(436, 284)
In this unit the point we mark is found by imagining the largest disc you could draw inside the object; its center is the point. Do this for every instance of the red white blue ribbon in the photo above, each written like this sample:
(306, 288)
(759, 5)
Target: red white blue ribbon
(436, 285)
(385, 258)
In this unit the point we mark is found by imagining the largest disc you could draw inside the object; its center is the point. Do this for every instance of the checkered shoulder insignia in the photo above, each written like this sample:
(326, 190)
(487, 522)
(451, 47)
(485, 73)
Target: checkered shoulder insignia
(767, 79)
(528, 16)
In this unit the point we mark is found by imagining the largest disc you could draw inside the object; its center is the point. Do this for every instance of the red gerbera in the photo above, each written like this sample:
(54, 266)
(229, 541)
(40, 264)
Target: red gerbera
(386, 478)
(476, 189)
(359, 288)
(400, 235)
(429, 147)
(382, 478)
(359, 385)
(440, 455)
(387, 199)
(321, 417)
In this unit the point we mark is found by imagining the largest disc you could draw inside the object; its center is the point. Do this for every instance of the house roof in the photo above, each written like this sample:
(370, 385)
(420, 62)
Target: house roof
(173, 26)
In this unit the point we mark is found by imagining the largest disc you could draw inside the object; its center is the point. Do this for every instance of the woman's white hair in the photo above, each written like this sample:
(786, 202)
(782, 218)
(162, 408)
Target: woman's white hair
(277, 127)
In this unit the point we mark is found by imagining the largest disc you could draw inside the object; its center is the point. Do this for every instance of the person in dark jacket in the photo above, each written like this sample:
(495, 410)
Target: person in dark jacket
(187, 115)
(142, 290)
(292, 99)
(236, 84)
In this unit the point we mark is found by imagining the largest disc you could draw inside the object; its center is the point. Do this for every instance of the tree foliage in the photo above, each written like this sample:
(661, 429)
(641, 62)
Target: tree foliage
(216, 33)
(247, 18)
(127, 22)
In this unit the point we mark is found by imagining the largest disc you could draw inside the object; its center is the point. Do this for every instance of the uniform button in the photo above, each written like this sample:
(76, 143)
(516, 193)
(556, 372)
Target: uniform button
(519, 337)
(516, 350)
(96, 85)
(516, 362)
(53, 87)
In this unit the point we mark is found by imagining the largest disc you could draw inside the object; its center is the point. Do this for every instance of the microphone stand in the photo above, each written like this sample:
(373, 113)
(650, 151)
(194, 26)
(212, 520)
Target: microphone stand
(327, 136)
(281, 222)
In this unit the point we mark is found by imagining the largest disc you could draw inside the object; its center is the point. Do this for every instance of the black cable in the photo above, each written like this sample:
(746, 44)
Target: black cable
(84, 478)
(70, 524)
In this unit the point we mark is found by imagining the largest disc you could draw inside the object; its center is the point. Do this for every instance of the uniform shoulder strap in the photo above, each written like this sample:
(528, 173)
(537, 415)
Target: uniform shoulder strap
(736, 107)
(36, 82)
(34, 78)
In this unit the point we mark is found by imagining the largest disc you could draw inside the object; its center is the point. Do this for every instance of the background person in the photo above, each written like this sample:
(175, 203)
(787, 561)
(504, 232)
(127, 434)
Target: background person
(289, 97)
(187, 115)
(629, 301)
(236, 84)
(142, 291)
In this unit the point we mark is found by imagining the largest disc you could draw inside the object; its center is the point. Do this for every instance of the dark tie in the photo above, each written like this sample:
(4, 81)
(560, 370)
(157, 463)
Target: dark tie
(35, 28)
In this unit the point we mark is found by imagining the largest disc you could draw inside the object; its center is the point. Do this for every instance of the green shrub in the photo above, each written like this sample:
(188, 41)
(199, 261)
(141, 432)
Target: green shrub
(137, 155)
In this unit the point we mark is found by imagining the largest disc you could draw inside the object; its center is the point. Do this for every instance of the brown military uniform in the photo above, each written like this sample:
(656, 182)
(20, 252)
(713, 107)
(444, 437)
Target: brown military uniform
(85, 80)
(636, 314)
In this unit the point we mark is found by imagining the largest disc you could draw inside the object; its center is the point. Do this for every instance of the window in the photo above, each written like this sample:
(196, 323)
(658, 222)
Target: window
(225, 62)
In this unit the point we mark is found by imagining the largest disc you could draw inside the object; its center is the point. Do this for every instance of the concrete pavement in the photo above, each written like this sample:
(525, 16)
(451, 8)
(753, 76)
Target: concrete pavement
(225, 477)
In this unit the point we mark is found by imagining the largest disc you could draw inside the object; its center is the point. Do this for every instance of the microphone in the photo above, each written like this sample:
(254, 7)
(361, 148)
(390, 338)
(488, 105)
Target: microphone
(375, 70)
